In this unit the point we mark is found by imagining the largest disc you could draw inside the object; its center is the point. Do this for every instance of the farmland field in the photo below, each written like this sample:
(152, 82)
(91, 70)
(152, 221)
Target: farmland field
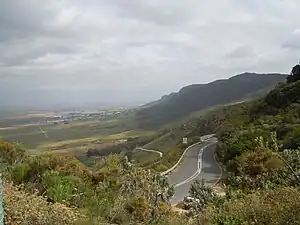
(74, 136)
(80, 136)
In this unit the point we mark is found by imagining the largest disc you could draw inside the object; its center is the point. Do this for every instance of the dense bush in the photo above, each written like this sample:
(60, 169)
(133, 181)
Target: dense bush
(283, 96)
(252, 165)
(32, 168)
(295, 74)
(277, 207)
(199, 196)
(58, 188)
(238, 143)
(112, 191)
(19, 171)
(11, 153)
(292, 138)
(30, 209)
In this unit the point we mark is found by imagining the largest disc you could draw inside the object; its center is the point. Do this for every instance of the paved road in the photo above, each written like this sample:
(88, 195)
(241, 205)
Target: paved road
(150, 150)
(208, 169)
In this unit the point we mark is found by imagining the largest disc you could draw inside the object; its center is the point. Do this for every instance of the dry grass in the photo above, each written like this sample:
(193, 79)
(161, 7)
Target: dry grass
(16, 127)
(104, 139)
(128, 134)
(62, 144)
(79, 150)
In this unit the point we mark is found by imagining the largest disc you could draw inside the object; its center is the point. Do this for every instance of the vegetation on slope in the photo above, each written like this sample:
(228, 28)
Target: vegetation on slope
(261, 166)
(24, 208)
(199, 96)
(249, 149)
(260, 150)
(279, 206)
(112, 191)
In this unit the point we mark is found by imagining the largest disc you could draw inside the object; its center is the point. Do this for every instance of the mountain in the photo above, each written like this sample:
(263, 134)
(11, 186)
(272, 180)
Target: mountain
(199, 96)
(162, 99)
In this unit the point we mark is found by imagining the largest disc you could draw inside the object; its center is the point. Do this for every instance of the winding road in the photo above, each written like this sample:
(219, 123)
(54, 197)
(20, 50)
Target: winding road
(150, 150)
(198, 163)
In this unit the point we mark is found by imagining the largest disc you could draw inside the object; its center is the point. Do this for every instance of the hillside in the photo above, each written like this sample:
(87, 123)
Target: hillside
(199, 96)
(261, 173)
(259, 149)
(255, 134)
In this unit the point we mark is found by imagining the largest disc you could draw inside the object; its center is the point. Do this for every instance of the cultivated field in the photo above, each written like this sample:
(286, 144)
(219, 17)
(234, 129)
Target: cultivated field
(74, 137)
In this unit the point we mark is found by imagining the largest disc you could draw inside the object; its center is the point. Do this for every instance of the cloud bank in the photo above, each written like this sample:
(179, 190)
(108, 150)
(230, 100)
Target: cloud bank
(137, 50)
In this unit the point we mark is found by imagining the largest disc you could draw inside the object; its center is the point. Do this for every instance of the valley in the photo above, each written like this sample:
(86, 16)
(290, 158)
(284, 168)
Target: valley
(89, 134)
(137, 112)
(118, 147)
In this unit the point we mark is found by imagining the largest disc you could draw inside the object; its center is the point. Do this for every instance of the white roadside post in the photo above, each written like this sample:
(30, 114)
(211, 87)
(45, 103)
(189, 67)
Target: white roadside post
(184, 140)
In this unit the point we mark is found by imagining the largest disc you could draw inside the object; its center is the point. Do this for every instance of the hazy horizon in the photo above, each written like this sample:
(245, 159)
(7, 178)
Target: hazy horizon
(126, 53)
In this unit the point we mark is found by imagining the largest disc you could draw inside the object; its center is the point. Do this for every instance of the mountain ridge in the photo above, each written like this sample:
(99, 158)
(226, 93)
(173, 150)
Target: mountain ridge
(199, 96)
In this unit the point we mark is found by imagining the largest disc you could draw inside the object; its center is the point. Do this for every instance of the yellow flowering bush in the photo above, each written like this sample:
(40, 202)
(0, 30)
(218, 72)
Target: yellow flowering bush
(29, 209)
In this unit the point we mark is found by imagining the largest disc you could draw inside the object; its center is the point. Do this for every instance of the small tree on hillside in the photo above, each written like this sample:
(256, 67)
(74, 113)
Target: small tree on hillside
(295, 74)
(199, 196)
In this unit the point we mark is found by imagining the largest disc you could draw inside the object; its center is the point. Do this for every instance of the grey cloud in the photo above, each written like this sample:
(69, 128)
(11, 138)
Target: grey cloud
(159, 12)
(293, 42)
(243, 51)
(139, 49)
(18, 53)
(20, 19)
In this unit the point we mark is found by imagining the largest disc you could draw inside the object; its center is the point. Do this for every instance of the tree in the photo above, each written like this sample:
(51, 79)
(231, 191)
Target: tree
(292, 139)
(199, 196)
(295, 74)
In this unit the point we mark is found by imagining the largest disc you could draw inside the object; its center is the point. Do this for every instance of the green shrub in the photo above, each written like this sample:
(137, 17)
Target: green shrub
(292, 139)
(19, 172)
(11, 153)
(201, 195)
(259, 161)
(294, 75)
(277, 207)
(58, 188)
(284, 96)
(138, 208)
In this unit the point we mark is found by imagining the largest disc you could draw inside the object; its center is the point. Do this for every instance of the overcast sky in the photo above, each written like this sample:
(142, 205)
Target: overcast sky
(132, 51)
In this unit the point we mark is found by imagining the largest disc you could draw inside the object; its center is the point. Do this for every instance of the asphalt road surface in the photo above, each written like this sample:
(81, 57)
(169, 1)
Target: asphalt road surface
(192, 169)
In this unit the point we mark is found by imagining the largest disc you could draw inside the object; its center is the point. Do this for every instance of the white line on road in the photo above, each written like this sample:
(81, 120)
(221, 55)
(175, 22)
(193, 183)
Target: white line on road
(202, 138)
(179, 160)
(199, 167)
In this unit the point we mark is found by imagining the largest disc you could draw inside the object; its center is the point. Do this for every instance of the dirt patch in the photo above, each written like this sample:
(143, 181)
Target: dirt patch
(80, 149)
(16, 127)
(177, 208)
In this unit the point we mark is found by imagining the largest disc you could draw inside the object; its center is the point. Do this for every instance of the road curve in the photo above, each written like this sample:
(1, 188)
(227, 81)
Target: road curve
(150, 150)
(198, 163)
